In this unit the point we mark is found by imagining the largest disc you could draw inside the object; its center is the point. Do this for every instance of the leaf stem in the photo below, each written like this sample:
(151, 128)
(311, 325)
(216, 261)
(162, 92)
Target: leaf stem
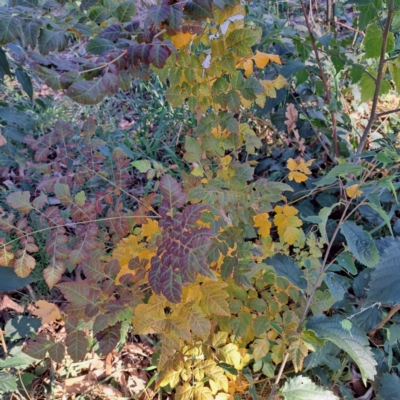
(393, 311)
(379, 78)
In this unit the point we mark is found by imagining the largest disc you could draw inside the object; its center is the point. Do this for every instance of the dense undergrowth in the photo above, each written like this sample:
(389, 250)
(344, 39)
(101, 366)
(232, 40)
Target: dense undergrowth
(216, 182)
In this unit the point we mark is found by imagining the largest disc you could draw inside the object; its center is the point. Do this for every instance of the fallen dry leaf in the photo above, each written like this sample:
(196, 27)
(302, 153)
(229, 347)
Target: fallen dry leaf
(48, 312)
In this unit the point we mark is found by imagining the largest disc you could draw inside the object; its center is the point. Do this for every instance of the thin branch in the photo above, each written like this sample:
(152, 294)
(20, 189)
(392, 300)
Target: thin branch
(393, 311)
(382, 114)
(379, 78)
(323, 77)
(349, 27)
(103, 65)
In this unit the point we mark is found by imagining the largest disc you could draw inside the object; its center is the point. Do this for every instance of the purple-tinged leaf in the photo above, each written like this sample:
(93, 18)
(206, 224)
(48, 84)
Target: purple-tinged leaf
(57, 352)
(155, 275)
(175, 16)
(38, 347)
(111, 33)
(191, 215)
(109, 338)
(171, 285)
(63, 130)
(53, 273)
(87, 92)
(142, 52)
(199, 9)
(24, 263)
(111, 82)
(39, 202)
(79, 294)
(172, 192)
(20, 201)
(99, 45)
(159, 13)
(158, 55)
(31, 32)
(77, 345)
(51, 40)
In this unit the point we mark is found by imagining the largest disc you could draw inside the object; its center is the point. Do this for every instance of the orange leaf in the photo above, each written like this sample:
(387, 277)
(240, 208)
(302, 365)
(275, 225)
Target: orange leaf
(48, 312)
(353, 191)
(181, 39)
(297, 176)
(248, 68)
(287, 223)
(262, 59)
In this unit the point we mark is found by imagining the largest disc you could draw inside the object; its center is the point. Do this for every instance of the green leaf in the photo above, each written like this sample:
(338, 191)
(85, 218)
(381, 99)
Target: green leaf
(385, 277)
(63, 193)
(98, 14)
(87, 92)
(8, 383)
(31, 32)
(17, 359)
(251, 88)
(346, 261)
(142, 165)
(4, 63)
(25, 81)
(322, 301)
(174, 96)
(10, 28)
(206, 124)
(389, 386)
(302, 387)
(354, 342)
(373, 42)
(361, 244)
(99, 46)
(126, 11)
(240, 40)
(367, 87)
(394, 69)
(21, 327)
(324, 214)
(193, 150)
(287, 268)
(10, 281)
(233, 99)
(51, 40)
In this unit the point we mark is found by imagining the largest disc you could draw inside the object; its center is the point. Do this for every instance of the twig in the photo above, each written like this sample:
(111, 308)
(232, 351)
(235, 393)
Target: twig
(3, 342)
(382, 114)
(393, 311)
(349, 27)
(379, 78)
(103, 65)
(323, 77)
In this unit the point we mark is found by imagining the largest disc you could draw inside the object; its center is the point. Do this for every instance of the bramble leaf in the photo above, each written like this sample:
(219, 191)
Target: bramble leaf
(302, 387)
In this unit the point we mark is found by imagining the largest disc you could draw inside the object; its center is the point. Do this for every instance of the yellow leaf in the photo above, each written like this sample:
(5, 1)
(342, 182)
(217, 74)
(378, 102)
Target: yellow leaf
(184, 392)
(230, 354)
(303, 166)
(149, 228)
(292, 164)
(248, 68)
(203, 393)
(5, 256)
(297, 176)
(262, 222)
(48, 312)
(181, 39)
(279, 82)
(125, 250)
(225, 161)
(262, 59)
(260, 348)
(287, 223)
(353, 191)
(197, 171)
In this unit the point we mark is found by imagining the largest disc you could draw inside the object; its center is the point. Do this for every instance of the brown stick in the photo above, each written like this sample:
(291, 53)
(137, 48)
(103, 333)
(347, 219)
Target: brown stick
(382, 114)
(3, 342)
(379, 78)
(393, 311)
(323, 77)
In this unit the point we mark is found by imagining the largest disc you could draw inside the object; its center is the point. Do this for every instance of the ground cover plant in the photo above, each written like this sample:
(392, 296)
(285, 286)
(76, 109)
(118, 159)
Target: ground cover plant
(203, 200)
